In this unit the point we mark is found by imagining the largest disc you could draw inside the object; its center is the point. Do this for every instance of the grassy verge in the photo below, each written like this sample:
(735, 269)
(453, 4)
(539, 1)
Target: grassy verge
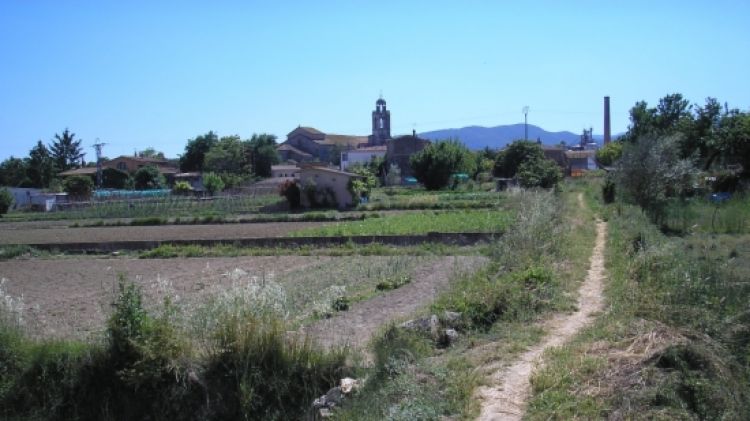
(698, 215)
(13, 251)
(420, 223)
(533, 271)
(218, 219)
(674, 343)
(229, 359)
(144, 208)
(351, 249)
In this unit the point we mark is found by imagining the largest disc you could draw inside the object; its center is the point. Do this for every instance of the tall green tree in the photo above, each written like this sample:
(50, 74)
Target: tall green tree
(518, 152)
(434, 165)
(151, 153)
(651, 171)
(263, 154)
(66, 151)
(609, 153)
(13, 173)
(41, 166)
(79, 186)
(228, 155)
(195, 151)
(149, 178)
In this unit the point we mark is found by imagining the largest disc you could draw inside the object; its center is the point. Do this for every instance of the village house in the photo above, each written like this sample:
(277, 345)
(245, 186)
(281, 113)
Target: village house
(330, 186)
(129, 165)
(285, 171)
(580, 162)
(361, 156)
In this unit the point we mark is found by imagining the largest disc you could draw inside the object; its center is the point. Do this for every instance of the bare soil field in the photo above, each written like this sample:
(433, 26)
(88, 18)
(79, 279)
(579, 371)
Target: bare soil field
(356, 326)
(35, 235)
(72, 297)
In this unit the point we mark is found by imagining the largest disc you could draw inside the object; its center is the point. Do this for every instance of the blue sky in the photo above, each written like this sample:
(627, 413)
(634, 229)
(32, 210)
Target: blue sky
(139, 74)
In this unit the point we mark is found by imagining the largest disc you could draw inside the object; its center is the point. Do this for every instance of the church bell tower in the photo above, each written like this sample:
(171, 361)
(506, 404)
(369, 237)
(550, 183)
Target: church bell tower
(381, 123)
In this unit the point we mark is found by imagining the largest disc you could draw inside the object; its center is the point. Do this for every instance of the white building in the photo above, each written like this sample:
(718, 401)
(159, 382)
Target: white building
(361, 156)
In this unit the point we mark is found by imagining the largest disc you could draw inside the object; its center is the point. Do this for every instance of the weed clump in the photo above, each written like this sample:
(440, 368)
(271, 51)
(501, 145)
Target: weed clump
(235, 360)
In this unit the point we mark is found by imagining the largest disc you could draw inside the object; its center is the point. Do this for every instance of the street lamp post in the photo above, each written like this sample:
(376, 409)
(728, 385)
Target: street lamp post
(525, 122)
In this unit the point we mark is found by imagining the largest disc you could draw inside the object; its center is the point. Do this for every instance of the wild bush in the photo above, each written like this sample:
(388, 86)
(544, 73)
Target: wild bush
(6, 199)
(290, 190)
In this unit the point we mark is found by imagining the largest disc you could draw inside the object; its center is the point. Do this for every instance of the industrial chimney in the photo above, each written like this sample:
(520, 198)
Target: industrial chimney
(607, 129)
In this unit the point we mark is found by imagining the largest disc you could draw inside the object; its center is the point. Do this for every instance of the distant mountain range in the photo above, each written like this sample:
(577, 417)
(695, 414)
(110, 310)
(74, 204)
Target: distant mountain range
(478, 137)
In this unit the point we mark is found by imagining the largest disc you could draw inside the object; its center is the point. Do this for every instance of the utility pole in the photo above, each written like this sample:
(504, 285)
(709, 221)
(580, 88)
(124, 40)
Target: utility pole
(98, 147)
(525, 122)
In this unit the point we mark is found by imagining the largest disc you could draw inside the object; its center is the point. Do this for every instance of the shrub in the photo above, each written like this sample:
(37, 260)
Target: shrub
(543, 173)
(115, 179)
(651, 171)
(609, 153)
(148, 178)
(509, 159)
(6, 199)
(213, 183)
(290, 190)
(608, 191)
(340, 303)
(393, 282)
(79, 186)
(434, 165)
(182, 188)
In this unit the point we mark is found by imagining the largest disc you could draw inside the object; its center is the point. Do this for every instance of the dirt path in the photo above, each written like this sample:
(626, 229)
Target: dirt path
(356, 326)
(510, 388)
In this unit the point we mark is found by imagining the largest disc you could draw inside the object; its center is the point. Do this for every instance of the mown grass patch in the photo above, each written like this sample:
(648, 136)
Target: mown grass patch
(492, 221)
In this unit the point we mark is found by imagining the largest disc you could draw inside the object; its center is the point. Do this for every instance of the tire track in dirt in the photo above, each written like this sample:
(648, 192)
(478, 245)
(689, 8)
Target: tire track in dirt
(356, 326)
(506, 397)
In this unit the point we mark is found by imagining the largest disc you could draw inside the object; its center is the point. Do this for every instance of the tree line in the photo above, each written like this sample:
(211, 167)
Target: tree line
(234, 160)
(675, 150)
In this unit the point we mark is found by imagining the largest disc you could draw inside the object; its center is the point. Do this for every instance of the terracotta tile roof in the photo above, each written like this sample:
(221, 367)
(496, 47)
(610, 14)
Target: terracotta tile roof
(311, 130)
(287, 147)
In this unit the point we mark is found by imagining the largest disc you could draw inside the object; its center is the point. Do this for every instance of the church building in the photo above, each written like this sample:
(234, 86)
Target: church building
(306, 144)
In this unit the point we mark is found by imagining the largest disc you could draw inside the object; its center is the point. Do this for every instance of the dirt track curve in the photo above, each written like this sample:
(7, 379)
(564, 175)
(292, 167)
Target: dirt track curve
(506, 397)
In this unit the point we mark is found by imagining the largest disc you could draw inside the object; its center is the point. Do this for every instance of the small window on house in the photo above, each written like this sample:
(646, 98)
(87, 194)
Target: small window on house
(122, 166)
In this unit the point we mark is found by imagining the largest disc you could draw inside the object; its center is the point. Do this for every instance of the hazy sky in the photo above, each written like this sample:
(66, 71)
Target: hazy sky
(138, 74)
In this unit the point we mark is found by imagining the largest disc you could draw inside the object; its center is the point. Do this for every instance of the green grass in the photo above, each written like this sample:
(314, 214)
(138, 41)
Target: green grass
(674, 343)
(698, 215)
(144, 208)
(237, 363)
(168, 251)
(407, 198)
(533, 272)
(491, 221)
(12, 251)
